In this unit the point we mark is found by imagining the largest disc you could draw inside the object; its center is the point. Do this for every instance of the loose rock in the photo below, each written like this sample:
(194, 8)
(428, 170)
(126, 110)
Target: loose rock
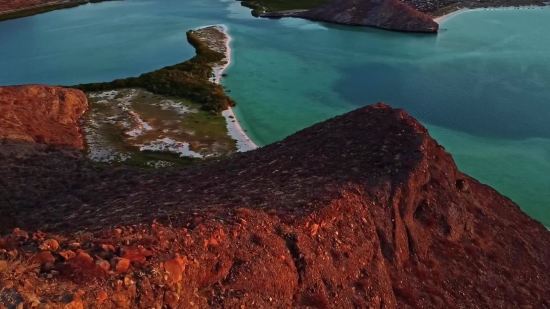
(122, 265)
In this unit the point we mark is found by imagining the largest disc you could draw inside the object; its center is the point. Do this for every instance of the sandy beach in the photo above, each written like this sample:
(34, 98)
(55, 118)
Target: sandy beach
(443, 18)
(233, 127)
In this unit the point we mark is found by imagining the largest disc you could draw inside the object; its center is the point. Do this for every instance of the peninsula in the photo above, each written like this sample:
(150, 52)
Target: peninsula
(177, 115)
(364, 210)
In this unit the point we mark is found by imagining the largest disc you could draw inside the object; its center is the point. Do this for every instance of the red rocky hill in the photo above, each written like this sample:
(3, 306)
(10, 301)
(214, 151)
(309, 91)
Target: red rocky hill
(364, 210)
(42, 114)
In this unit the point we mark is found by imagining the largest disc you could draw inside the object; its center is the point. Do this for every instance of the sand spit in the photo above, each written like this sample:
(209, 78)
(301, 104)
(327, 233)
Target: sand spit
(234, 129)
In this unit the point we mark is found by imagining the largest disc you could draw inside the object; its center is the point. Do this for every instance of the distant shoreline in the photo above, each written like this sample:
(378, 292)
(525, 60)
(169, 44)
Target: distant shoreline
(447, 16)
(45, 8)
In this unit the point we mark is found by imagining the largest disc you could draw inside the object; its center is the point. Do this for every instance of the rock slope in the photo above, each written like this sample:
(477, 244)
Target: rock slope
(14, 5)
(385, 14)
(364, 210)
(42, 114)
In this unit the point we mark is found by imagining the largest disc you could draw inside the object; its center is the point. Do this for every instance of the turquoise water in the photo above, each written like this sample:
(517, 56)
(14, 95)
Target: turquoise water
(482, 86)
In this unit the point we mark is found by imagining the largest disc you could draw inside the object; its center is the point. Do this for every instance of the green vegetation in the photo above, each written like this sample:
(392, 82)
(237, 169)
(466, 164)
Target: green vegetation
(188, 80)
(260, 6)
(111, 117)
(44, 9)
(207, 127)
(257, 9)
(168, 117)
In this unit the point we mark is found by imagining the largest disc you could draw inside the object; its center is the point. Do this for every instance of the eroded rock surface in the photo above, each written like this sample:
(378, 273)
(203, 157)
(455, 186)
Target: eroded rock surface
(364, 210)
(42, 114)
(385, 14)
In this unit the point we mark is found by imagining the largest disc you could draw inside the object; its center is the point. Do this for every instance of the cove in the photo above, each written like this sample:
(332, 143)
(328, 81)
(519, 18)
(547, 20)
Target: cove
(482, 86)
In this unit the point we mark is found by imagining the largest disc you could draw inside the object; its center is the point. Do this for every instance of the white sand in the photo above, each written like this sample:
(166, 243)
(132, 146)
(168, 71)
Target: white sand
(141, 126)
(107, 94)
(98, 150)
(233, 127)
(179, 107)
(168, 144)
(443, 18)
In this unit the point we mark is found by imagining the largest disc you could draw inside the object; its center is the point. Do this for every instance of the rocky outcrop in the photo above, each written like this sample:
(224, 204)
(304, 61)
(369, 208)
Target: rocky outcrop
(364, 210)
(42, 114)
(15, 5)
(385, 14)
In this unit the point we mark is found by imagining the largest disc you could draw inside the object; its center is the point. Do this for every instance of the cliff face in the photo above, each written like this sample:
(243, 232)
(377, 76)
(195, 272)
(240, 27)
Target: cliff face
(364, 210)
(386, 14)
(42, 114)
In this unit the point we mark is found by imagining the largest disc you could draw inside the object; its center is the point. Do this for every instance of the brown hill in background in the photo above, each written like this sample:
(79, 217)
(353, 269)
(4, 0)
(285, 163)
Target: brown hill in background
(42, 114)
(364, 210)
(385, 14)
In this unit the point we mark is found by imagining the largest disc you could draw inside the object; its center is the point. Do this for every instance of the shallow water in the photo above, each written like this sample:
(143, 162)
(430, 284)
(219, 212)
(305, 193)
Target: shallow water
(482, 86)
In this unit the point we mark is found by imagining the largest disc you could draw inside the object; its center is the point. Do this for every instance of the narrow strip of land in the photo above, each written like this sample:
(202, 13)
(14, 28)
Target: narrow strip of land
(218, 39)
(176, 116)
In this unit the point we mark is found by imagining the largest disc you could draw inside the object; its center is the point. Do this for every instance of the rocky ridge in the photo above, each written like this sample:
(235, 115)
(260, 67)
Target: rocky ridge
(42, 114)
(385, 14)
(364, 210)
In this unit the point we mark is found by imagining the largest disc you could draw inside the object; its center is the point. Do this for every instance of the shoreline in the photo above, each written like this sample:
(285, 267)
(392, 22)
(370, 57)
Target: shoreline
(234, 129)
(445, 17)
(44, 8)
(441, 19)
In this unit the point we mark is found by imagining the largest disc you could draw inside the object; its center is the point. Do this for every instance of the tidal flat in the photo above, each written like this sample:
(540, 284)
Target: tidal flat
(136, 127)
